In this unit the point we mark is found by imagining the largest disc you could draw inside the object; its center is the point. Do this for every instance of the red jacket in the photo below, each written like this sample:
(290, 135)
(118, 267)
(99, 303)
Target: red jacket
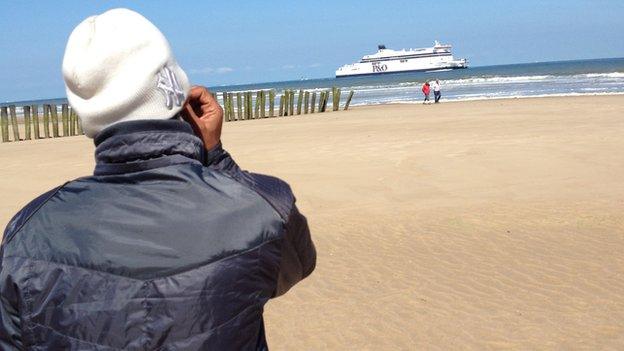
(426, 89)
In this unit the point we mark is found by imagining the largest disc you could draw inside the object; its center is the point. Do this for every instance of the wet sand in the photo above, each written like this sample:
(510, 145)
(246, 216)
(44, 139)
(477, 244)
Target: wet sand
(472, 225)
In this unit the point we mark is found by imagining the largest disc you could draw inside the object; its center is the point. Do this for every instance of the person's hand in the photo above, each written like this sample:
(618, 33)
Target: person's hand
(202, 111)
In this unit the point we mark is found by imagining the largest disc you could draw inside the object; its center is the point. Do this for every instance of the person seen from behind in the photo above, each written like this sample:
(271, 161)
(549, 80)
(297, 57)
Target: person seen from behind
(169, 245)
(436, 91)
(426, 91)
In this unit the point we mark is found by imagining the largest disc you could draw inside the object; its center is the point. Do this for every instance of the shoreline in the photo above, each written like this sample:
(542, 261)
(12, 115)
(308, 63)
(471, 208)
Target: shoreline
(19, 113)
(496, 98)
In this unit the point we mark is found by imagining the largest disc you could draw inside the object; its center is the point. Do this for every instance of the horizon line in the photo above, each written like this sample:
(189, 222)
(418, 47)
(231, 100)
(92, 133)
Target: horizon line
(221, 86)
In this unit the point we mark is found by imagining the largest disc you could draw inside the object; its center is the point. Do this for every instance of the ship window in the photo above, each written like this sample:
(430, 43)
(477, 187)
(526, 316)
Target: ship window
(403, 60)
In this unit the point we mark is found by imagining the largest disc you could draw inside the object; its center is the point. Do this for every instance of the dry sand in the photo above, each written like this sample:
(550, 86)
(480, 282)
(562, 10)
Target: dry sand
(473, 225)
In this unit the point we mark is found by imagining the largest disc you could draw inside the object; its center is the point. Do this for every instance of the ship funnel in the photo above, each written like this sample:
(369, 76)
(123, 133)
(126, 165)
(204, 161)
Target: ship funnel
(381, 47)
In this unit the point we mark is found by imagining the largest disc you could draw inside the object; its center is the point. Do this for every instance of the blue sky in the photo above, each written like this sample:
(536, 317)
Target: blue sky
(235, 42)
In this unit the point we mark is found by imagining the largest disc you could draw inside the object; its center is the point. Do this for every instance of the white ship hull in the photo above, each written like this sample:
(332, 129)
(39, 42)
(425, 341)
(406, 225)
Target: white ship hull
(385, 61)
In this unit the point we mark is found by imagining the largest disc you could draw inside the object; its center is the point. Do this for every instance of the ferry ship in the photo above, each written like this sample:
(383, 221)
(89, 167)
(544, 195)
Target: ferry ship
(436, 58)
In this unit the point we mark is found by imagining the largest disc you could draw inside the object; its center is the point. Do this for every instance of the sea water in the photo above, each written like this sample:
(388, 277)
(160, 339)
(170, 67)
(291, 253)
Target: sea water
(561, 78)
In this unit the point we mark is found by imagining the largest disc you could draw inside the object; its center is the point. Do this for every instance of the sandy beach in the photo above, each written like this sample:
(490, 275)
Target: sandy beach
(482, 225)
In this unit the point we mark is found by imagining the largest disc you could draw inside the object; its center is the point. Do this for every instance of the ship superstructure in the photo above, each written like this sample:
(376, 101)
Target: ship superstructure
(438, 57)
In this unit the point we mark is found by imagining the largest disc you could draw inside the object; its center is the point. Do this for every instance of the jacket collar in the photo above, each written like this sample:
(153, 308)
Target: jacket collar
(146, 144)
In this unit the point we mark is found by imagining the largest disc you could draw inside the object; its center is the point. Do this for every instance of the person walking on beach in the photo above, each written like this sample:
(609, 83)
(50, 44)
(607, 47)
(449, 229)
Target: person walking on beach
(169, 245)
(426, 90)
(436, 91)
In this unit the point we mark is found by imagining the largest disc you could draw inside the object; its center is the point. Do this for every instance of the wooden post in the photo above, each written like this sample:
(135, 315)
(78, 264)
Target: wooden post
(348, 100)
(230, 106)
(46, 120)
(243, 106)
(326, 98)
(313, 102)
(239, 106)
(325, 101)
(244, 101)
(249, 105)
(266, 95)
(55, 126)
(291, 100)
(321, 98)
(281, 105)
(65, 119)
(257, 106)
(299, 101)
(16, 134)
(35, 119)
(72, 122)
(223, 104)
(226, 116)
(336, 99)
(263, 110)
(271, 103)
(246, 106)
(259, 103)
(306, 100)
(286, 102)
(78, 123)
(4, 124)
(26, 112)
(263, 104)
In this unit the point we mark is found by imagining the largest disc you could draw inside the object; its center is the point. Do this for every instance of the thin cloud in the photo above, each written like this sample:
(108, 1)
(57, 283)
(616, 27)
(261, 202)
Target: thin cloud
(210, 70)
(222, 70)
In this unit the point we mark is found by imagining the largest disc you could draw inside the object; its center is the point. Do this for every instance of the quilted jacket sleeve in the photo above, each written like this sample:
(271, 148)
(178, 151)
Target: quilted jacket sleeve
(10, 330)
(10, 317)
(298, 254)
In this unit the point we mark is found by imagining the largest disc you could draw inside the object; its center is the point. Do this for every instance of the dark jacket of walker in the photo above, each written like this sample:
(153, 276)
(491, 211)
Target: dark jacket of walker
(165, 247)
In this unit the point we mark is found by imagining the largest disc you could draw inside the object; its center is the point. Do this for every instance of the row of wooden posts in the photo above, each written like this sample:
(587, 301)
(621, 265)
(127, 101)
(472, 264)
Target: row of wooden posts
(47, 125)
(306, 103)
(36, 127)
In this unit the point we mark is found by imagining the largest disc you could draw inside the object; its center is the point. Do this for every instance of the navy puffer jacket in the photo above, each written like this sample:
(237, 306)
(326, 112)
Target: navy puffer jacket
(165, 247)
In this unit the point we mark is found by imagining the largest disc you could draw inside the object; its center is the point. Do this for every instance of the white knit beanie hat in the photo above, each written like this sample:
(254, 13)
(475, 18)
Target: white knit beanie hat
(119, 67)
